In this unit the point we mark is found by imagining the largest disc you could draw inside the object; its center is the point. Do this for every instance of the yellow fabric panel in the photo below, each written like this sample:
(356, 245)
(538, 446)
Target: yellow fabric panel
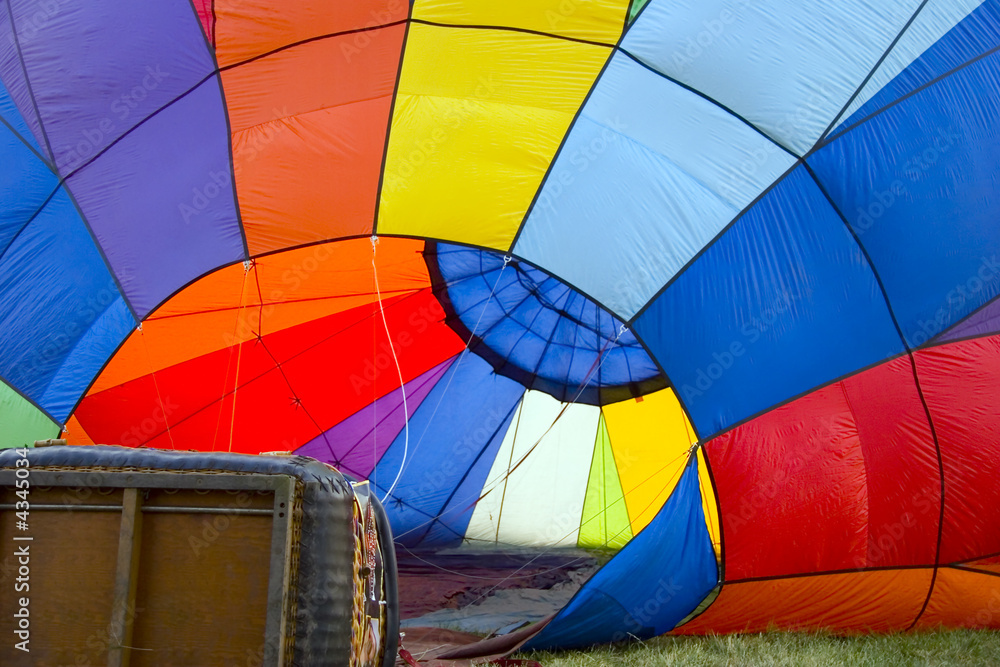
(594, 20)
(709, 502)
(650, 440)
(478, 117)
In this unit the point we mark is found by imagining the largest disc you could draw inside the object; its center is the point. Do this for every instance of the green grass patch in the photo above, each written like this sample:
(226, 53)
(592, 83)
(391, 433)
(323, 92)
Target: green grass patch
(958, 647)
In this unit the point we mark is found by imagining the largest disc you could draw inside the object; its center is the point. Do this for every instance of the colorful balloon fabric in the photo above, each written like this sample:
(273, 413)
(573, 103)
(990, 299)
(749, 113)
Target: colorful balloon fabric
(713, 284)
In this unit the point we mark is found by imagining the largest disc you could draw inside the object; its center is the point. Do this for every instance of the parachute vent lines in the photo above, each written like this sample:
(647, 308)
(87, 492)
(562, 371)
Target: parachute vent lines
(536, 329)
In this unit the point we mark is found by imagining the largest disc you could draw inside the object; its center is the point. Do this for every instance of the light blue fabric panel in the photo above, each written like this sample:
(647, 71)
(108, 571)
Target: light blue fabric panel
(934, 21)
(649, 174)
(787, 66)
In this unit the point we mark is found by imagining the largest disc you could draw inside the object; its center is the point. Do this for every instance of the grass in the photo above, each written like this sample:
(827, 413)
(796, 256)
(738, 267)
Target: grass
(958, 647)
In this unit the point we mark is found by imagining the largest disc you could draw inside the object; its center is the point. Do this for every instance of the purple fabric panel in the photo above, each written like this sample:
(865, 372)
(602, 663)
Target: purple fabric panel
(98, 68)
(981, 323)
(12, 75)
(161, 200)
(348, 445)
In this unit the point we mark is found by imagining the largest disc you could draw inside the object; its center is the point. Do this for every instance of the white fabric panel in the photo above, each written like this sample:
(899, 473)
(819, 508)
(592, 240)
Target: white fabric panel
(541, 502)
(787, 66)
(933, 22)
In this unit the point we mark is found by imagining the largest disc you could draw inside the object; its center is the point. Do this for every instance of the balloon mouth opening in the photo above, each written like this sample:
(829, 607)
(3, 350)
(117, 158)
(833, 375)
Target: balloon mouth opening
(534, 328)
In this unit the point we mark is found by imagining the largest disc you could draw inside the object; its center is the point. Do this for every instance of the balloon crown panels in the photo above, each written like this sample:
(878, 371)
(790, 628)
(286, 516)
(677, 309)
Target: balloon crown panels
(535, 329)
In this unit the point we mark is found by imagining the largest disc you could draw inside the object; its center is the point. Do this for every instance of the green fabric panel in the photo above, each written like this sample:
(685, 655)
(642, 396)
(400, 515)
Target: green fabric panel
(636, 7)
(605, 521)
(21, 423)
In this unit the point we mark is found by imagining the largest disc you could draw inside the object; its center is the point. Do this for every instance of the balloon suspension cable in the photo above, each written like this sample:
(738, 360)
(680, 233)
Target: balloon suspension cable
(156, 386)
(239, 353)
(453, 371)
(402, 386)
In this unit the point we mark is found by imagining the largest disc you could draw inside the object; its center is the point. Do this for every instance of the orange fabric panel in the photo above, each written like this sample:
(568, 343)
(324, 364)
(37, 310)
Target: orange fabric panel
(309, 126)
(249, 28)
(75, 434)
(963, 599)
(297, 287)
(291, 384)
(991, 564)
(878, 601)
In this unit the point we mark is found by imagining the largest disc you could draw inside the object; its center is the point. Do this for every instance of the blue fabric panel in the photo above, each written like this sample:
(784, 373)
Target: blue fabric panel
(925, 204)
(783, 302)
(649, 174)
(539, 331)
(25, 184)
(11, 115)
(54, 287)
(660, 577)
(788, 66)
(932, 23)
(454, 437)
(87, 358)
(974, 36)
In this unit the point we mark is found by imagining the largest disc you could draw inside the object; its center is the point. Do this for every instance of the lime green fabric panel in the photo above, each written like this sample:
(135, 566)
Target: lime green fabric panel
(21, 423)
(636, 7)
(605, 521)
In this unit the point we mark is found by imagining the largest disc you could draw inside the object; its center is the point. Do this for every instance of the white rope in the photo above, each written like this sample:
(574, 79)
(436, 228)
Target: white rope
(402, 386)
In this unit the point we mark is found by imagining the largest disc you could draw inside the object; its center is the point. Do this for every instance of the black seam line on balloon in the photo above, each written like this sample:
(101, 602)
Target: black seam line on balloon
(215, 22)
(735, 425)
(715, 239)
(439, 287)
(562, 145)
(548, 342)
(27, 80)
(902, 99)
(446, 365)
(31, 401)
(963, 568)
(628, 11)
(121, 344)
(974, 559)
(666, 377)
(719, 515)
(526, 331)
(10, 244)
(388, 124)
(226, 309)
(465, 476)
(913, 366)
(510, 253)
(41, 158)
(602, 500)
(230, 154)
(247, 382)
(871, 73)
(629, 24)
(831, 573)
(670, 496)
(142, 122)
(310, 40)
(713, 101)
(507, 28)
(937, 339)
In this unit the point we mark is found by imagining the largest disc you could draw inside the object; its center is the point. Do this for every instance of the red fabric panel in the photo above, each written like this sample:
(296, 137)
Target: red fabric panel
(904, 481)
(207, 17)
(843, 478)
(792, 490)
(333, 366)
(961, 382)
(856, 602)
